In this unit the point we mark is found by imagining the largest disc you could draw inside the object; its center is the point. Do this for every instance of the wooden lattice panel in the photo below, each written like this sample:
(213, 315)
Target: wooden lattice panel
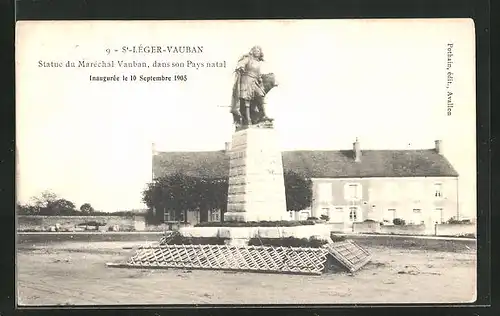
(226, 257)
(349, 254)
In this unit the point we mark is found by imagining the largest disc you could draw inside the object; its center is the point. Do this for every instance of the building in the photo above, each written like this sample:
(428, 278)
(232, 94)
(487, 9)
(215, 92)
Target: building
(418, 186)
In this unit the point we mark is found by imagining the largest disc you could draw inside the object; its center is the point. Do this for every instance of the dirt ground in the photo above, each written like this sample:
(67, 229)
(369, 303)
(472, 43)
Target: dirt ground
(75, 273)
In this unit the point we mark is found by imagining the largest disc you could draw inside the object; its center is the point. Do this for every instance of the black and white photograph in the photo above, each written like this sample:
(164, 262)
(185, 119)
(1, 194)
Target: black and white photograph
(241, 162)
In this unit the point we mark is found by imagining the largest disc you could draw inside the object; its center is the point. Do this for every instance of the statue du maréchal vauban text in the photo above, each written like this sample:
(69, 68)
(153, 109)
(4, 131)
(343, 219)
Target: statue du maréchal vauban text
(249, 91)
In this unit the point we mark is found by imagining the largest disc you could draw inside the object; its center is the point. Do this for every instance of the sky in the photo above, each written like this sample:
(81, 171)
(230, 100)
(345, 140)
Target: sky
(381, 81)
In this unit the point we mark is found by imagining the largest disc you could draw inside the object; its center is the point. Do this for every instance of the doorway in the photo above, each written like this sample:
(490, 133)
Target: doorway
(354, 214)
(437, 216)
(203, 216)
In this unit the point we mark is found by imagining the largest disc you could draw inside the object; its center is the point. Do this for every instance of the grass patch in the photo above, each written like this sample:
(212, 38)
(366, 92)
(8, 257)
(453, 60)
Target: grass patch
(257, 224)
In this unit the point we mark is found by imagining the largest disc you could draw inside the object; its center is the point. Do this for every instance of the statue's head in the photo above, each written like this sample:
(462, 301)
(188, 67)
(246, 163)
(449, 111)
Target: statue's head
(257, 52)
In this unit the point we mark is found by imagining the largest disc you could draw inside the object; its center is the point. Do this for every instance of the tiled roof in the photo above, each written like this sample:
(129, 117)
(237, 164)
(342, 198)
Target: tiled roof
(317, 164)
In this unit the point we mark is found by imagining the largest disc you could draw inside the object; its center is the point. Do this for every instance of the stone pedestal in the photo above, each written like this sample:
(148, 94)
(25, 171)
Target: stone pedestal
(256, 184)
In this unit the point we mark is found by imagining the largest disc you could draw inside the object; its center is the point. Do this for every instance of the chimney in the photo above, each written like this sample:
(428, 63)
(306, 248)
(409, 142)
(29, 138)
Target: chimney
(357, 151)
(439, 146)
(227, 146)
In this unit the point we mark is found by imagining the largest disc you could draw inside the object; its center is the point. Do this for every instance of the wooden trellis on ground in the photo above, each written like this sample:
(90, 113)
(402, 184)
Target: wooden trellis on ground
(248, 258)
(226, 257)
(348, 254)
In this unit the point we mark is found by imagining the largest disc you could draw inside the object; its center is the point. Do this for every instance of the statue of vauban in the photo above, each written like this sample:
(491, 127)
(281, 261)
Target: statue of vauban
(249, 90)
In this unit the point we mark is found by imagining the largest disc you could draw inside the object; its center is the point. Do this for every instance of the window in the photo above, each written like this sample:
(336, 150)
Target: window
(438, 190)
(169, 215)
(353, 214)
(353, 191)
(339, 209)
(214, 215)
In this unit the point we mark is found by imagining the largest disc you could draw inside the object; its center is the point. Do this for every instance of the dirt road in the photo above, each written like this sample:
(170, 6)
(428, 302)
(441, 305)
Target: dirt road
(75, 273)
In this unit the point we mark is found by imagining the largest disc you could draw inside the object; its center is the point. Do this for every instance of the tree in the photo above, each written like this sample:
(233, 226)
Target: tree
(298, 190)
(45, 198)
(48, 204)
(86, 208)
(210, 194)
(59, 207)
(163, 194)
(180, 193)
(26, 209)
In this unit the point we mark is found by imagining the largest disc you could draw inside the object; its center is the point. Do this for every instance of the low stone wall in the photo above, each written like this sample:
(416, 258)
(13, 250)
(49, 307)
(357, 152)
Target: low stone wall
(405, 230)
(338, 227)
(71, 223)
(455, 229)
(366, 227)
(434, 230)
(241, 234)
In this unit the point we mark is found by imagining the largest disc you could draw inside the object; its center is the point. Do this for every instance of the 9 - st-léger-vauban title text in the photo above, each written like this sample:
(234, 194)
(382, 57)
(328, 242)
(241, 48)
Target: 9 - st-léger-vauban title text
(189, 63)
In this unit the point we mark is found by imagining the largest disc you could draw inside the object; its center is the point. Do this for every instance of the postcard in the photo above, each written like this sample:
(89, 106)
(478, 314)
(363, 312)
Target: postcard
(246, 162)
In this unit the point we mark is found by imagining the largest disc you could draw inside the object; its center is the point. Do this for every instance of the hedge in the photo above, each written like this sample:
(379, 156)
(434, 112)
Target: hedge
(257, 224)
(287, 242)
(177, 239)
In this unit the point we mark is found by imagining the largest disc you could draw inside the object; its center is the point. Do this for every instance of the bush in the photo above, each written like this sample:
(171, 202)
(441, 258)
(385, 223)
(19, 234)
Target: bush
(455, 221)
(370, 221)
(399, 221)
(336, 238)
(325, 217)
(256, 224)
(287, 242)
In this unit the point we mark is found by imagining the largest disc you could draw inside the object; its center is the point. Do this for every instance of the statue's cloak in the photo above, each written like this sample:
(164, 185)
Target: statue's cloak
(235, 97)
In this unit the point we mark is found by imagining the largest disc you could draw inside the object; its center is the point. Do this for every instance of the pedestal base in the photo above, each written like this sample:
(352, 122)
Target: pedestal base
(256, 183)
